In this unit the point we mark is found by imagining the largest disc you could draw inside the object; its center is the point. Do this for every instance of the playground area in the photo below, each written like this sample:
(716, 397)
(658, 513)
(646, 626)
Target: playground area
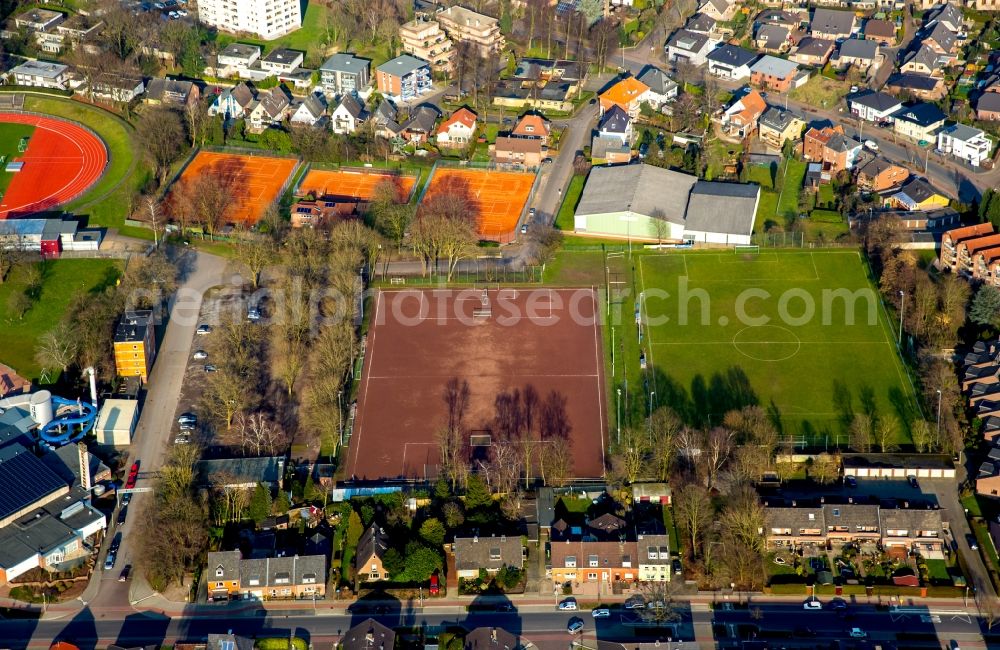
(352, 184)
(257, 180)
(45, 162)
(498, 198)
(541, 341)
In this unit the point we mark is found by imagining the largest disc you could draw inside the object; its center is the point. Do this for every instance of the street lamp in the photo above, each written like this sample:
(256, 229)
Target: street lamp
(652, 394)
(939, 413)
(618, 401)
(902, 313)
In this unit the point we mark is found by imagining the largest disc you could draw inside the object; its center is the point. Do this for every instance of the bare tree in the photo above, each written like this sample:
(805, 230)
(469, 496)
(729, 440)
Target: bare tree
(862, 432)
(694, 512)
(255, 253)
(57, 348)
(825, 468)
(886, 428)
(257, 435)
(717, 446)
(631, 455)
(162, 137)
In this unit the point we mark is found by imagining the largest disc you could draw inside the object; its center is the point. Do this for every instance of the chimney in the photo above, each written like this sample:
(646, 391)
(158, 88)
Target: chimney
(84, 457)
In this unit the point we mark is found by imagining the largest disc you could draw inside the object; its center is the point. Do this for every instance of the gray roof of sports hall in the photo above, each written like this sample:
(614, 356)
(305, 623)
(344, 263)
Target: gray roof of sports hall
(722, 207)
(642, 189)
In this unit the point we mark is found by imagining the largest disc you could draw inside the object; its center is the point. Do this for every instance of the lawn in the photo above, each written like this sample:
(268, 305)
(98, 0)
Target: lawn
(820, 92)
(10, 140)
(794, 175)
(766, 210)
(104, 203)
(61, 280)
(564, 220)
(760, 174)
(799, 333)
(825, 195)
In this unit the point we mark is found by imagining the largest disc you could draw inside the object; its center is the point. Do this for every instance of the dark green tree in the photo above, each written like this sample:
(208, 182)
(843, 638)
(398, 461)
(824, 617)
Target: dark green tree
(477, 495)
(260, 504)
(985, 308)
(282, 504)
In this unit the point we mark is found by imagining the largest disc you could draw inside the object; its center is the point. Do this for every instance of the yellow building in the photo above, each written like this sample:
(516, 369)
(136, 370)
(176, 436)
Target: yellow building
(135, 344)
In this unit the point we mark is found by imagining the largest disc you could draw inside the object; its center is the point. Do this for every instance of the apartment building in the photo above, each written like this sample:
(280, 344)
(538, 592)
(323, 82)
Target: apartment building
(403, 78)
(135, 344)
(41, 74)
(343, 74)
(266, 19)
(480, 30)
(594, 562)
(951, 239)
(426, 40)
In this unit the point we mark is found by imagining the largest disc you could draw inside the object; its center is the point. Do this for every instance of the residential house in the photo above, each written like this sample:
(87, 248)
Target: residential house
(813, 51)
(775, 74)
(859, 53)
(815, 140)
(269, 110)
(919, 121)
(948, 15)
(479, 30)
(951, 239)
(41, 74)
(541, 83)
(233, 103)
(609, 150)
(343, 74)
(309, 111)
(830, 24)
(917, 194)
(490, 638)
(880, 175)
(404, 78)
(772, 38)
(420, 126)
(795, 526)
(230, 575)
(349, 114)
(386, 120)
(730, 62)
(988, 107)
(779, 17)
(594, 562)
(740, 118)
(966, 143)
(911, 530)
(532, 125)
(171, 92)
(662, 89)
(690, 47)
(426, 40)
(853, 523)
(473, 554)
(369, 634)
(282, 60)
(628, 94)
(117, 88)
(458, 130)
(135, 344)
(943, 41)
(615, 123)
(840, 152)
(778, 126)
(39, 20)
(922, 61)
(523, 153)
(720, 10)
(654, 557)
(78, 30)
(880, 31)
(371, 551)
(874, 106)
(918, 85)
(702, 24)
(235, 57)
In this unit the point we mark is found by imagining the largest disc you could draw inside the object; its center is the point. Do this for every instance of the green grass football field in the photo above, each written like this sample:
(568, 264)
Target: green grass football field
(10, 139)
(802, 334)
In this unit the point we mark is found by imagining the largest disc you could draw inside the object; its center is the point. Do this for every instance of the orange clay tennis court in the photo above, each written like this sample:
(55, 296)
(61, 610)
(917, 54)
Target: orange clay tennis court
(499, 197)
(258, 180)
(352, 184)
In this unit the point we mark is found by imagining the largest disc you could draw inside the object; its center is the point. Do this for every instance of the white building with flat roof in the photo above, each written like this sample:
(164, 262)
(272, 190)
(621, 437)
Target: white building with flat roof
(267, 19)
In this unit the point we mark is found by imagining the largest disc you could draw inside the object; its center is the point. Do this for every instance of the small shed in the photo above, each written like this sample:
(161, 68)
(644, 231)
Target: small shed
(116, 422)
(651, 493)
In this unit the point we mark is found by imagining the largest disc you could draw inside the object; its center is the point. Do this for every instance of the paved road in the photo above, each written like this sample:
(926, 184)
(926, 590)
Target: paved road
(150, 443)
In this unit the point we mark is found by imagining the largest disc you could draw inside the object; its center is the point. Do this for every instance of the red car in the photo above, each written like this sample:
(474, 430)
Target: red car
(435, 586)
(133, 474)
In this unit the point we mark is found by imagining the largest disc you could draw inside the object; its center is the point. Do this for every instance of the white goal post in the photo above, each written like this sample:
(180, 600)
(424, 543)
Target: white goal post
(745, 249)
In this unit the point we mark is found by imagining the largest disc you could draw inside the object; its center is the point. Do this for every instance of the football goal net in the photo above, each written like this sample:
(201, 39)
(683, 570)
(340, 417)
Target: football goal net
(747, 249)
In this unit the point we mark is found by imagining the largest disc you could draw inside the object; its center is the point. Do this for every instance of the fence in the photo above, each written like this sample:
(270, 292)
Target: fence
(476, 273)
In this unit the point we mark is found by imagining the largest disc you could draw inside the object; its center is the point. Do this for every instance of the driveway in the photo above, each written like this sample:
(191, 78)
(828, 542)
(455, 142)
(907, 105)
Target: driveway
(556, 178)
(150, 444)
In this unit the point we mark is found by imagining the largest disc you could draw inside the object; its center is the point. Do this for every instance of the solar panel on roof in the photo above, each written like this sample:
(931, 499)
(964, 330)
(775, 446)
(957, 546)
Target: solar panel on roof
(26, 479)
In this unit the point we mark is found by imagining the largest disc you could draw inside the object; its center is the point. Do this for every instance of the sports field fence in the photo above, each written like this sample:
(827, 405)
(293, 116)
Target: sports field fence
(477, 274)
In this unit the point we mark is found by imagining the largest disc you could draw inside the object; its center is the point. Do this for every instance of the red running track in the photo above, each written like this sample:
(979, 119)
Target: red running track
(63, 159)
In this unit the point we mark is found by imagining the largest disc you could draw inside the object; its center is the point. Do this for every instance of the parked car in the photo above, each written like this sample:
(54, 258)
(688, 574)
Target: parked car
(116, 543)
(204, 329)
(973, 542)
(122, 515)
(837, 604)
(678, 570)
(123, 576)
(568, 605)
(524, 229)
(575, 625)
(187, 418)
(913, 482)
(812, 604)
(210, 367)
(601, 612)
(109, 561)
(850, 481)
(858, 633)
(200, 354)
(435, 586)
(871, 145)
(635, 602)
